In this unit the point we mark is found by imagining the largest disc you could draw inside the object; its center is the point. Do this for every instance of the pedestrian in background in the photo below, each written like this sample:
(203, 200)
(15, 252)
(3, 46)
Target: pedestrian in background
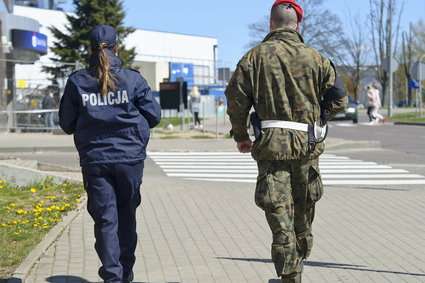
(374, 103)
(378, 117)
(110, 110)
(48, 103)
(195, 101)
(370, 102)
(289, 84)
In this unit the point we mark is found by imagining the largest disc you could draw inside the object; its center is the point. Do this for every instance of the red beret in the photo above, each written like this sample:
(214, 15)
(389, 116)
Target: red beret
(297, 8)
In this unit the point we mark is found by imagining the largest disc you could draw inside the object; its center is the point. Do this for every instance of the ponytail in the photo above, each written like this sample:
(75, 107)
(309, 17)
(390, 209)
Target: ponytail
(106, 80)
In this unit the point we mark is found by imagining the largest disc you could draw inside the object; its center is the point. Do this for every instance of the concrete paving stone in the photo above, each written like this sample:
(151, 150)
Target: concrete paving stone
(192, 231)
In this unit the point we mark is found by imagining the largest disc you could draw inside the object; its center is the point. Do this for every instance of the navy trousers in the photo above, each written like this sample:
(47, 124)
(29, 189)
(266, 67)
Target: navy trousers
(113, 192)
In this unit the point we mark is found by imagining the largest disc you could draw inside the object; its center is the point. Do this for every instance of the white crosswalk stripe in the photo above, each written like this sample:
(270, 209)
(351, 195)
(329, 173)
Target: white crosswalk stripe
(236, 167)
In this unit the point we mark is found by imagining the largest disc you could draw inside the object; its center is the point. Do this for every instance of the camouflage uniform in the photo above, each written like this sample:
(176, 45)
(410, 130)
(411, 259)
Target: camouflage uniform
(283, 79)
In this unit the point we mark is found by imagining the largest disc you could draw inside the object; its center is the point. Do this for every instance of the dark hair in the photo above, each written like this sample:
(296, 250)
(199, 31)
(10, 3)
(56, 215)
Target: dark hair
(283, 15)
(100, 59)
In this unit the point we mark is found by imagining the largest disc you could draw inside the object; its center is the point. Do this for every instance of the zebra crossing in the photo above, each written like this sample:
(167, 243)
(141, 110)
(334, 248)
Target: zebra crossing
(237, 167)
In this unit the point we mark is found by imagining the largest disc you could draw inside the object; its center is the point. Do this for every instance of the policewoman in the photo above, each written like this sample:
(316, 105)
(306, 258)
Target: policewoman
(110, 110)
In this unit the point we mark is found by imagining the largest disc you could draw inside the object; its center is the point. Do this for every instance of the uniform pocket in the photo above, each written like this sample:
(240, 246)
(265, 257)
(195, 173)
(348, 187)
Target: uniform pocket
(315, 186)
(272, 190)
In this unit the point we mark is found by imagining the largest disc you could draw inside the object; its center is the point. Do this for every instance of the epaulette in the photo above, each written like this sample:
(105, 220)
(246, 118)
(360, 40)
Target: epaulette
(134, 70)
(73, 72)
(77, 71)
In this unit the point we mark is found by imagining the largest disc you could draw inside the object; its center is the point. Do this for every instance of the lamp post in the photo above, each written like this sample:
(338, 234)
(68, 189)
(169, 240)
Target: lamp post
(420, 84)
(215, 63)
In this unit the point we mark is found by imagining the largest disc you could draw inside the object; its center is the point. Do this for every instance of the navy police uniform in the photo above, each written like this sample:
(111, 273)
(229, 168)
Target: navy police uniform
(111, 134)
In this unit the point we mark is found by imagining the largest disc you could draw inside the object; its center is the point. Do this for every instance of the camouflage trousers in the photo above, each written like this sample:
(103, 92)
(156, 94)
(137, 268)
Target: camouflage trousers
(287, 191)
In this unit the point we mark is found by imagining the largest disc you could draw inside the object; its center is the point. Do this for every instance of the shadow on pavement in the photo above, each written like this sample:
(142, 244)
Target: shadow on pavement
(330, 265)
(66, 279)
(76, 279)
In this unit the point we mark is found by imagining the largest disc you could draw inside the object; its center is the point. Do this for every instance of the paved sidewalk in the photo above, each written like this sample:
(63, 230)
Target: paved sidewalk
(195, 231)
(213, 232)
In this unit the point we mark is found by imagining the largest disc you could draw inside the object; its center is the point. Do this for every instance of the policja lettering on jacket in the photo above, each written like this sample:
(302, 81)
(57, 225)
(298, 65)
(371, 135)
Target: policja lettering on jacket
(96, 99)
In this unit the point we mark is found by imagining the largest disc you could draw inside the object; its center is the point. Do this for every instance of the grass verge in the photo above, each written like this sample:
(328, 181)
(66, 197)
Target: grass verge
(28, 213)
(412, 117)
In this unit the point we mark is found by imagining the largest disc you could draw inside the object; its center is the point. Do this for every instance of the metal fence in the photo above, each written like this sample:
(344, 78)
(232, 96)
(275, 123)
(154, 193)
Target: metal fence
(32, 96)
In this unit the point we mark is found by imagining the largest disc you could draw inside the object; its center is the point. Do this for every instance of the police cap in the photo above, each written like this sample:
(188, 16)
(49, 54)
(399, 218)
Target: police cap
(104, 34)
(294, 5)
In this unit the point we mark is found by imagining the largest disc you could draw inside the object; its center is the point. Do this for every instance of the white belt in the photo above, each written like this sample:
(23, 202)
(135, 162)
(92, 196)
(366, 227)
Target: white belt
(284, 125)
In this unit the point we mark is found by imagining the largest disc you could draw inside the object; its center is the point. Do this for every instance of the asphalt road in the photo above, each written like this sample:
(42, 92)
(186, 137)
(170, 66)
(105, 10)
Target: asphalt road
(401, 146)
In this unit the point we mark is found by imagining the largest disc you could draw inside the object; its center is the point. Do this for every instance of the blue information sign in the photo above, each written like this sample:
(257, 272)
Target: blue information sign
(30, 40)
(414, 83)
(182, 70)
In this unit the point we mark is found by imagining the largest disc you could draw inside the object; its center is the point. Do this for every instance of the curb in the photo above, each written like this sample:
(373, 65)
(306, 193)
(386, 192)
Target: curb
(23, 270)
(409, 123)
(352, 145)
(38, 149)
(31, 260)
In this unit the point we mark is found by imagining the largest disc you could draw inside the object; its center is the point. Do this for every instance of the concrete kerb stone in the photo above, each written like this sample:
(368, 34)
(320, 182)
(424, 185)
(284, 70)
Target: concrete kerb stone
(409, 123)
(30, 261)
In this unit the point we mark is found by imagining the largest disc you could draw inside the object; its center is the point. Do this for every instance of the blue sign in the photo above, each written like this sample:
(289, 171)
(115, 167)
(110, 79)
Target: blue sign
(182, 70)
(414, 83)
(29, 40)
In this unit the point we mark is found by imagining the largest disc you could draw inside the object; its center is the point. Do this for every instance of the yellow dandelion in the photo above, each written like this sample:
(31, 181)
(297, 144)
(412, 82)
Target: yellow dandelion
(4, 225)
(15, 222)
(51, 197)
(33, 190)
(1, 187)
(12, 204)
(48, 209)
(49, 178)
(77, 200)
(65, 185)
(1, 181)
(20, 211)
(7, 208)
(35, 225)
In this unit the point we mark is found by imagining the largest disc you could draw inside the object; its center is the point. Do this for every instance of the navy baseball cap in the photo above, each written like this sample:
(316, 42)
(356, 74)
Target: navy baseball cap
(104, 34)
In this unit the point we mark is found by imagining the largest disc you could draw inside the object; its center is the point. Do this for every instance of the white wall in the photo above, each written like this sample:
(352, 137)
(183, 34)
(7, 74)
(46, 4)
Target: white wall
(151, 46)
(161, 46)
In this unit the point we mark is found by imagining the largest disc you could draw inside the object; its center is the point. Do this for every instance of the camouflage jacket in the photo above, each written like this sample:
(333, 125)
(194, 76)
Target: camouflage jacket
(283, 79)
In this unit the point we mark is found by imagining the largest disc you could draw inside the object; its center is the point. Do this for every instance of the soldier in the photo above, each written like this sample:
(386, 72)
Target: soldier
(289, 85)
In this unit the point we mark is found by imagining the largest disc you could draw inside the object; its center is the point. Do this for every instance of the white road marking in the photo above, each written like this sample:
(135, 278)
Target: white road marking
(237, 167)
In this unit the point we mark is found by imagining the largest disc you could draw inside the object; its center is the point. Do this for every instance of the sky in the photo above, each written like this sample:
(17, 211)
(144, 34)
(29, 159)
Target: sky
(228, 20)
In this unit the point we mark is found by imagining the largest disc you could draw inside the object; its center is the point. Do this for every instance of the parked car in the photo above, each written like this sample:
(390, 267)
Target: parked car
(351, 111)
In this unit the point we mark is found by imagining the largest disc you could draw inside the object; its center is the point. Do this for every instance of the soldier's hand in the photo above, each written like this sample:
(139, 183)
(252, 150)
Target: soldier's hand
(245, 146)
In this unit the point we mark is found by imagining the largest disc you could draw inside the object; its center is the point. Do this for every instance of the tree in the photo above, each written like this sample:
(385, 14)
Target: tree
(357, 54)
(385, 26)
(320, 29)
(72, 46)
(407, 58)
(419, 43)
